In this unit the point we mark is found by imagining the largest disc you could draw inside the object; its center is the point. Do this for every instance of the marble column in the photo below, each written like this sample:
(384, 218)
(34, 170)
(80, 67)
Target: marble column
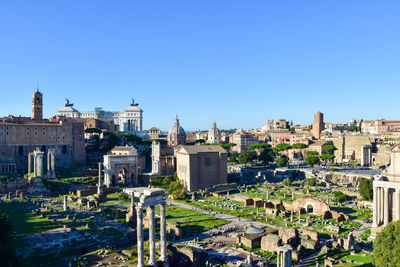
(31, 164)
(300, 215)
(267, 195)
(291, 215)
(397, 204)
(375, 208)
(278, 259)
(152, 236)
(163, 234)
(380, 210)
(139, 230)
(386, 206)
(99, 187)
(65, 203)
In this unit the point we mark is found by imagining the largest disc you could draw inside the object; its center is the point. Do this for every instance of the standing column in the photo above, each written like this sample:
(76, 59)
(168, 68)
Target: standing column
(152, 237)
(278, 258)
(48, 163)
(65, 203)
(34, 166)
(386, 206)
(380, 197)
(163, 236)
(99, 188)
(397, 204)
(139, 230)
(30, 163)
(375, 208)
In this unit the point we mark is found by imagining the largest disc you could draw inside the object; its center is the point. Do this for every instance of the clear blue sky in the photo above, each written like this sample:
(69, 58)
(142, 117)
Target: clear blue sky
(236, 62)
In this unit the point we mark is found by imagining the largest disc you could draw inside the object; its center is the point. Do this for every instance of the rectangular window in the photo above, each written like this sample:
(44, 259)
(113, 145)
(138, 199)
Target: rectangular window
(207, 161)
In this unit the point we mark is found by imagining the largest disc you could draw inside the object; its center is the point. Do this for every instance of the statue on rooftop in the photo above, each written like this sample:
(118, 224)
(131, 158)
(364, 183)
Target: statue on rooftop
(133, 104)
(68, 104)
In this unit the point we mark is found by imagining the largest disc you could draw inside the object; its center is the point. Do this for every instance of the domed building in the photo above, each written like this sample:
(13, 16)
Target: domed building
(176, 135)
(214, 136)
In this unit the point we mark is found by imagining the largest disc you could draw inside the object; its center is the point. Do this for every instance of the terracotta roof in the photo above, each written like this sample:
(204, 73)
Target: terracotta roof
(201, 149)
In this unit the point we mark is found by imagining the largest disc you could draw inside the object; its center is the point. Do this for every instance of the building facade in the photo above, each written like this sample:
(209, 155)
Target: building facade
(380, 126)
(163, 160)
(154, 133)
(20, 136)
(201, 166)
(128, 121)
(242, 141)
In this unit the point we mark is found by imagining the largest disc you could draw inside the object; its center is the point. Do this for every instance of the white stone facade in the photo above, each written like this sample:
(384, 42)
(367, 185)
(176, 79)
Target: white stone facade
(128, 121)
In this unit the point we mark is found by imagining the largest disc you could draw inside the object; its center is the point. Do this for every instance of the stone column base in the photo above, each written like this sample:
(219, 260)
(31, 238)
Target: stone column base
(375, 231)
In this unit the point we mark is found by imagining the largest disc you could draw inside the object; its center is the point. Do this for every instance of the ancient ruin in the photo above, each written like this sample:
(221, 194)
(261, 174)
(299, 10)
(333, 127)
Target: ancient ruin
(149, 198)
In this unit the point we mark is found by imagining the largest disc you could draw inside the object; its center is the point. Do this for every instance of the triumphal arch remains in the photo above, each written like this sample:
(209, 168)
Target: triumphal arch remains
(121, 166)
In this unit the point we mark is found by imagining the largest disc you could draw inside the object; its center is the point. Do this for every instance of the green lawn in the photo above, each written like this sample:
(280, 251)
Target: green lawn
(26, 223)
(357, 258)
(192, 221)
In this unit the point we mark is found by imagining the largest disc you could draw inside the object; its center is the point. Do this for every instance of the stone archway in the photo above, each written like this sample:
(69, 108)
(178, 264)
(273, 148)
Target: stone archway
(309, 207)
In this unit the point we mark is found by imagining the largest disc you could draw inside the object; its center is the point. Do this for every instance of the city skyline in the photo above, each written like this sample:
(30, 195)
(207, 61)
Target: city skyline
(233, 63)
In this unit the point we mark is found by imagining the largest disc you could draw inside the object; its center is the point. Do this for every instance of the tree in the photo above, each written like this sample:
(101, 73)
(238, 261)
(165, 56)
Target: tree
(176, 188)
(259, 146)
(365, 188)
(233, 159)
(201, 141)
(266, 156)
(246, 157)
(327, 157)
(282, 147)
(329, 148)
(292, 129)
(312, 153)
(287, 182)
(312, 182)
(93, 130)
(228, 146)
(7, 256)
(281, 161)
(312, 160)
(340, 197)
(299, 145)
(386, 250)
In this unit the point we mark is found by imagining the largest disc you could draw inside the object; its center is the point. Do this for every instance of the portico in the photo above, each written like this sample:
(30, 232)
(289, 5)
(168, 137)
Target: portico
(386, 195)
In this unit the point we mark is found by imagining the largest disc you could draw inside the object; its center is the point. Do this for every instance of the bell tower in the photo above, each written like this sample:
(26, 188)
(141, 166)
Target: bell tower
(37, 106)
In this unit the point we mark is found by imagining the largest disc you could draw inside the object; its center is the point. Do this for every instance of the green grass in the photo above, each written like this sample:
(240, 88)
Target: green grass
(363, 260)
(364, 236)
(24, 222)
(191, 221)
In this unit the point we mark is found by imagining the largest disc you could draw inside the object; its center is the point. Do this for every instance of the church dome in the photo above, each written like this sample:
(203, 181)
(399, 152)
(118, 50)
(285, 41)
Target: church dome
(176, 129)
(176, 135)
